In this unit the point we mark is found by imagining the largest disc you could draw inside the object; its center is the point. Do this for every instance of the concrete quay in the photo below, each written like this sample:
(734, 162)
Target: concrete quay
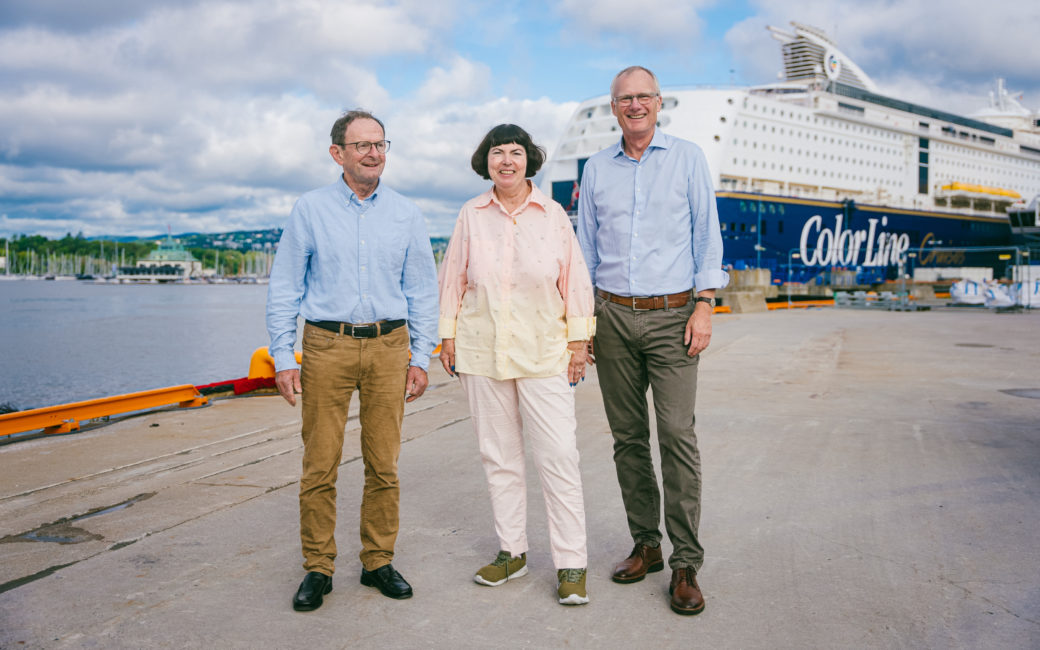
(870, 481)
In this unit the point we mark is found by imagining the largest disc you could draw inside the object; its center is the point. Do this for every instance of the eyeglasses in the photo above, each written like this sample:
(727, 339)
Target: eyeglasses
(364, 147)
(626, 100)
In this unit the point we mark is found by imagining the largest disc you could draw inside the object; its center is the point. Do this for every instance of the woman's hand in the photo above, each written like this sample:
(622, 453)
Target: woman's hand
(576, 367)
(448, 356)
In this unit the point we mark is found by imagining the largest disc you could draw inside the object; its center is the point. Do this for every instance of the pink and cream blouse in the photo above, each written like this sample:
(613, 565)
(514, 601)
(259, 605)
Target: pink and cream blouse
(514, 289)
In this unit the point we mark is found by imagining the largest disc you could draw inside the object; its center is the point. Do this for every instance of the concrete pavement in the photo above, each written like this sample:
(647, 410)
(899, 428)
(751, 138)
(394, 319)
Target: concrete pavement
(870, 480)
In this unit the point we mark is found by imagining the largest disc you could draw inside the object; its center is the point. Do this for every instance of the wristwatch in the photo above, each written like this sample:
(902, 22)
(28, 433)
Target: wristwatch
(710, 301)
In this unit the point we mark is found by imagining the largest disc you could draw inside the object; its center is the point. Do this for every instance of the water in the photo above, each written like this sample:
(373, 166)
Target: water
(66, 341)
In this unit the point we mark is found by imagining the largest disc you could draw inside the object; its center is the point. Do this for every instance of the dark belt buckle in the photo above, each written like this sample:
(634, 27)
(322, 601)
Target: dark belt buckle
(364, 331)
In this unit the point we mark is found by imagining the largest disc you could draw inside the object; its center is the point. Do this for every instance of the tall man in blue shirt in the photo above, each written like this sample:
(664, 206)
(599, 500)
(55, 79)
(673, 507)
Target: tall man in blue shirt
(649, 229)
(355, 261)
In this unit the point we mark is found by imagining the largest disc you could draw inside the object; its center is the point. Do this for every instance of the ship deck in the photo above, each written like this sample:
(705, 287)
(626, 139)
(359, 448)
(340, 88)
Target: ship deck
(870, 480)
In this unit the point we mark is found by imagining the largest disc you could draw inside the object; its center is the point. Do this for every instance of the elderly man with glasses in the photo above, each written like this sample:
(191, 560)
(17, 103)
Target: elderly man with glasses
(649, 229)
(356, 263)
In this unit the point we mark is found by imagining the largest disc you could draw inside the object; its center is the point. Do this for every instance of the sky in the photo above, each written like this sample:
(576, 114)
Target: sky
(131, 117)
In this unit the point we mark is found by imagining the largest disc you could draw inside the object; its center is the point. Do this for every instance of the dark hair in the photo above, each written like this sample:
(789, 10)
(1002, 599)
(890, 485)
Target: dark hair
(507, 134)
(339, 129)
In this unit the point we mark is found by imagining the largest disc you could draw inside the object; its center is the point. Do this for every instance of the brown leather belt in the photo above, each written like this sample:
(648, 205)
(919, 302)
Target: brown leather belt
(369, 331)
(648, 302)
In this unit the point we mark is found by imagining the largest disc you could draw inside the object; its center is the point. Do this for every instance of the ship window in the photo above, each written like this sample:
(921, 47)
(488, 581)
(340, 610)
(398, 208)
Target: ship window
(780, 224)
(722, 119)
(743, 227)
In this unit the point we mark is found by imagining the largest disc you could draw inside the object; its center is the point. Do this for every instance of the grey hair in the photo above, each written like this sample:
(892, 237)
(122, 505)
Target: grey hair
(628, 70)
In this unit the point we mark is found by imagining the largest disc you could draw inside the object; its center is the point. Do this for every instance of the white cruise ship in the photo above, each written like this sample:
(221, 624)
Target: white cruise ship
(823, 170)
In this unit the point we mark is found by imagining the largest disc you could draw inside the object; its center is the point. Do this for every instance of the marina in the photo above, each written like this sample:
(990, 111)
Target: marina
(870, 481)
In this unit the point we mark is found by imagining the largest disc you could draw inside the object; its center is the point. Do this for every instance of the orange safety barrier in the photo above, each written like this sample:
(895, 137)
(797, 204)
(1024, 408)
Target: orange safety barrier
(67, 417)
(801, 304)
(262, 365)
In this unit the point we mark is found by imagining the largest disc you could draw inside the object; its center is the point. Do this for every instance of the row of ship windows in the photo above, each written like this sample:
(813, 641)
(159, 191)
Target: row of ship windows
(816, 172)
(799, 152)
(971, 153)
(805, 134)
(834, 124)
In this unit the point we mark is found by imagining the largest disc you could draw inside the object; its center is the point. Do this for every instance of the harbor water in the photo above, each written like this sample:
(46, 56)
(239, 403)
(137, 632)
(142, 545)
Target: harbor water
(66, 341)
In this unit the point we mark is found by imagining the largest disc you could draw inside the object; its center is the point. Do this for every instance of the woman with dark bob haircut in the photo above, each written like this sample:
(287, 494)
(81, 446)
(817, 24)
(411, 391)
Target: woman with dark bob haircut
(516, 313)
(506, 134)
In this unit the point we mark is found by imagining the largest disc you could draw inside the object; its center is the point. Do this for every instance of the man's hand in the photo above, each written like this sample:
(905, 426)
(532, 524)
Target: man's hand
(288, 383)
(415, 384)
(448, 356)
(698, 329)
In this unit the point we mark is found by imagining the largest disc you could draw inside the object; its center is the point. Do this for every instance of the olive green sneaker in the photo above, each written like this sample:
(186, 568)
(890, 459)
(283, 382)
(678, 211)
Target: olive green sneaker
(505, 567)
(571, 588)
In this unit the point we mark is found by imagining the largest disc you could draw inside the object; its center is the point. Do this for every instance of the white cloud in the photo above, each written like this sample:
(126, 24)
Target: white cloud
(435, 135)
(641, 25)
(463, 80)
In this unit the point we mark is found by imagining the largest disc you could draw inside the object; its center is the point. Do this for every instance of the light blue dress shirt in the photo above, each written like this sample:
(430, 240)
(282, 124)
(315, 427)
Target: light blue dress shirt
(352, 261)
(650, 227)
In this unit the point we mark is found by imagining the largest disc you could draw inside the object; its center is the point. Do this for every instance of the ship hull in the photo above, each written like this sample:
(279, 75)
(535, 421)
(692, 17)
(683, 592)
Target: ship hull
(798, 238)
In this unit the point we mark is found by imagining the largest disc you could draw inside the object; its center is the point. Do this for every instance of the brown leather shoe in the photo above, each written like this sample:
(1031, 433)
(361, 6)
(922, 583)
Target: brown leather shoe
(686, 595)
(643, 560)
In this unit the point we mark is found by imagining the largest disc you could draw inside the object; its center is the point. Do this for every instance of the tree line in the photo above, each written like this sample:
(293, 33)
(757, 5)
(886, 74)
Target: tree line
(75, 254)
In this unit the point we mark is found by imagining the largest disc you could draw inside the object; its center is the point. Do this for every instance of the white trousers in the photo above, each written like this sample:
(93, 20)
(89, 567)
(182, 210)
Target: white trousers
(546, 404)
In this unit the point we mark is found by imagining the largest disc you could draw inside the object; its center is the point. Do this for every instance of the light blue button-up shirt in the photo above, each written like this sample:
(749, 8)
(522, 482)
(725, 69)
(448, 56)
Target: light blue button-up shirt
(352, 261)
(650, 227)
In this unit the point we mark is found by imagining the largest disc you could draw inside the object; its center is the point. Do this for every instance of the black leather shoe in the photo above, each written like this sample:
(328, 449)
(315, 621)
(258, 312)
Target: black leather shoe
(309, 595)
(388, 580)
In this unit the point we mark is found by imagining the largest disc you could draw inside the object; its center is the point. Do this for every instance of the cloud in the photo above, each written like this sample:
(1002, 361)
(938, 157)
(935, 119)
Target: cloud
(206, 116)
(435, 134)
(644, 24)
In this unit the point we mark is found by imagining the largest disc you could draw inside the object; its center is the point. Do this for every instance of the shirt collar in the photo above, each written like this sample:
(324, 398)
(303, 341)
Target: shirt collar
(659, 141)
(536, 196)
(350, 195)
